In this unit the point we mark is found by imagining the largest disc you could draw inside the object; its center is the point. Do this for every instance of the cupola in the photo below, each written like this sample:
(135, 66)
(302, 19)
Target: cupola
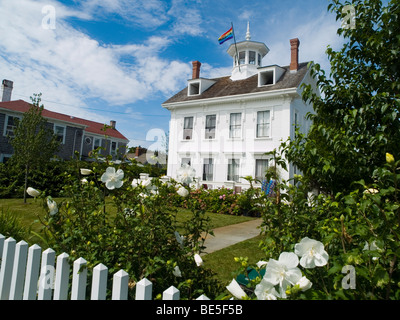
(250, 55)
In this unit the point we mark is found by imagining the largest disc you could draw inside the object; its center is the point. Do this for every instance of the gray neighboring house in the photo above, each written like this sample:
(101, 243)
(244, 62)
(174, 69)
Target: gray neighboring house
(75, 134)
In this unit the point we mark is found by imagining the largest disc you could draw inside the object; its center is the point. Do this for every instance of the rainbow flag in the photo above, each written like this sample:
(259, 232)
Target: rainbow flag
(226, 36)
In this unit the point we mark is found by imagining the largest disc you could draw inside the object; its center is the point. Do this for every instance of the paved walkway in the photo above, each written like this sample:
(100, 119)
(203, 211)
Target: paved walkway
(229, 235)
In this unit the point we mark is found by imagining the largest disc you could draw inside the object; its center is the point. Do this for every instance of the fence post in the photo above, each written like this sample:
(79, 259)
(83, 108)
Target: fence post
(7, 268)
(79, 277)
(203, 297)
(144, 290)
(120, 285)
(18, 276)
(46, 279)
(32, 272)
(171, 293)
(62, 277)
(99, 282)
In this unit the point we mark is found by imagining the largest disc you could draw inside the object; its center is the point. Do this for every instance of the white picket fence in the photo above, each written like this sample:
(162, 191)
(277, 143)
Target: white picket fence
(28, 274)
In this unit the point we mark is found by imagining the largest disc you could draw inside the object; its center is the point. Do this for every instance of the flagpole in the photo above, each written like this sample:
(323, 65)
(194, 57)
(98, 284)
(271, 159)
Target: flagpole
(234, 39)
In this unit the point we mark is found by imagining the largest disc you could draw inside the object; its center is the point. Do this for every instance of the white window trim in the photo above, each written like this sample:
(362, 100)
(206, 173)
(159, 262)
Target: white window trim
(116, 147)
(204, 126)
(238, 167)
(183, 127)
(6, 122)
(269, 137)
(255, 164)
(61, 126)
(241, 126)
(94, 138)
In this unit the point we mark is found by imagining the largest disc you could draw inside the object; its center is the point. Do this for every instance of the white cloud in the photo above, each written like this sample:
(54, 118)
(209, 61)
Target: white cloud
(144, 13)
(78, 66)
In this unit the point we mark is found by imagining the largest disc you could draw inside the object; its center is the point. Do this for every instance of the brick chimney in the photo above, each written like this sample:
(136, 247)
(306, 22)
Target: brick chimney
(113, 123)
(6, 87)
(196, 69)
(294, 49)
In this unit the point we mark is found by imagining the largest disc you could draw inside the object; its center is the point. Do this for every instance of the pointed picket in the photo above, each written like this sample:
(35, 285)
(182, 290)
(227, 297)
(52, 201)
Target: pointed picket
(144, 290)
(120, 285)
(79, 278)
(171, 293)
(46, 279)
(99, 282)
(7, 268)
(32, 273)
(62, 277)
(203, 297)
(18, 276)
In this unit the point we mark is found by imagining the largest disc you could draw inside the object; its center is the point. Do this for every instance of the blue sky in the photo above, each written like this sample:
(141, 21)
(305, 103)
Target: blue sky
(121, 59)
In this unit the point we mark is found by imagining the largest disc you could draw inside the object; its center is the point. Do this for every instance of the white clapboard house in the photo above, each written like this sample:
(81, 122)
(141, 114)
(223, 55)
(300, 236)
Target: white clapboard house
(224, 126)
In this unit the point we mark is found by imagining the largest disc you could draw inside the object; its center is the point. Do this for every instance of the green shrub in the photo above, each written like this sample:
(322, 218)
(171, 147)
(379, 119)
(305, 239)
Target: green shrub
(11, 226)
(139, 235)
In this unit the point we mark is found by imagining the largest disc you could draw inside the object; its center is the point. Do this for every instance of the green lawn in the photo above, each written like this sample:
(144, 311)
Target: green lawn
(220, 261)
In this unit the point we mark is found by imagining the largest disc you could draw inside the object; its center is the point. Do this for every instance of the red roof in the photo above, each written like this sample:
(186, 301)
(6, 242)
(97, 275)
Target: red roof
(91, 126)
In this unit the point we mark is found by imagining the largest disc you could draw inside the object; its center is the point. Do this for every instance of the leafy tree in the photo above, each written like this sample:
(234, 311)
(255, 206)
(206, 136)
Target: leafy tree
(356, 118)
(34, 143)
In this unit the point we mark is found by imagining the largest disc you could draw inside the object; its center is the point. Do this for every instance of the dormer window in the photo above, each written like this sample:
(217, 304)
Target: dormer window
(266, 78)
(269, 75)
(194, 88)
(198, 86)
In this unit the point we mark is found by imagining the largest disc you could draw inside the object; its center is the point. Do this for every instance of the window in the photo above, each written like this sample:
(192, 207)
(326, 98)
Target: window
(263, 124)
(208, 170)
(113, 147)
(185, 161)
(233, 170)
(194, 88)
(5, 157)
(259, 60)
(59, 131)
(235, 126)
(187, 128)
(10, 126)
(261, 168)
(96, 143)
(252, 57)
(242, 57)
(266, 78)
(210, 126)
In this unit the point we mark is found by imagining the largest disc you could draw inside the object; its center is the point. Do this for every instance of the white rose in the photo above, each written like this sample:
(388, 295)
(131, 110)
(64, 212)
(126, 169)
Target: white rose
(183, 192)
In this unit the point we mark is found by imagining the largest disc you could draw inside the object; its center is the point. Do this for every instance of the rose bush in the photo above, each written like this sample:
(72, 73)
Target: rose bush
(125, 223)
(357, 231)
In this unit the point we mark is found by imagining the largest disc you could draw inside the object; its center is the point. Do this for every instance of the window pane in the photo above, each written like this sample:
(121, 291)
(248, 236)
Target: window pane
(210, 126)
(59, 132)
(235, 125)
(242, 57)
(261, 167)
(185, 161)
(252, 57)
(187, 128)
(97, 143)
(208, 170)
(233, 170)
(188, 123)
(11, 125)
(263, 123)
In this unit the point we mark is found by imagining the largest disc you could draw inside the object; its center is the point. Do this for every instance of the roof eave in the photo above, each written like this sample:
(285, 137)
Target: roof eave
(227, 99)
